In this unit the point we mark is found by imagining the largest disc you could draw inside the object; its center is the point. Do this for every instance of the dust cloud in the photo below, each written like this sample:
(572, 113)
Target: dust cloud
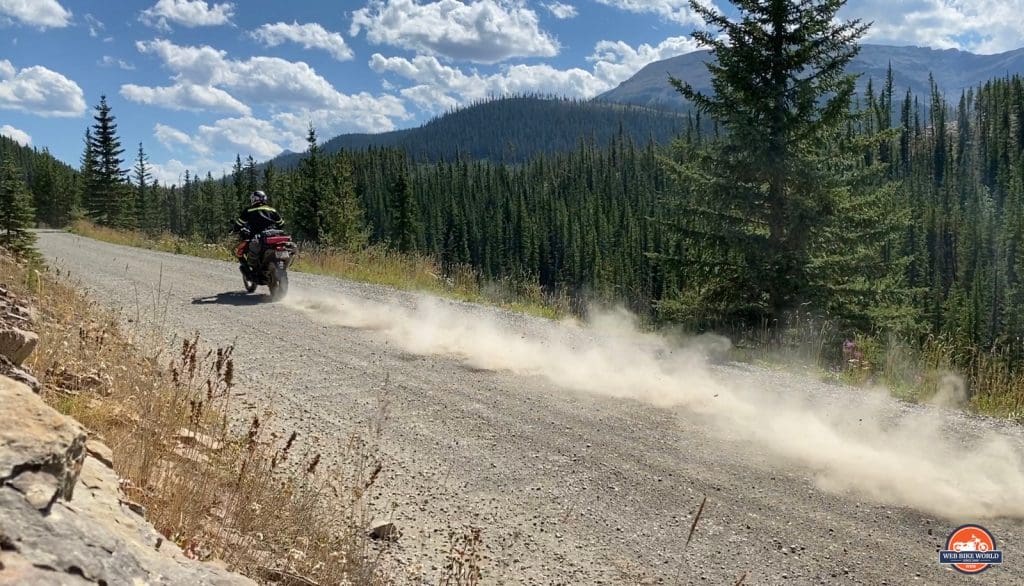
(857, 446)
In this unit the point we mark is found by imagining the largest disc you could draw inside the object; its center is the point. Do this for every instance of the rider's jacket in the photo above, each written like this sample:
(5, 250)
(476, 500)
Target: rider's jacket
(258, 219)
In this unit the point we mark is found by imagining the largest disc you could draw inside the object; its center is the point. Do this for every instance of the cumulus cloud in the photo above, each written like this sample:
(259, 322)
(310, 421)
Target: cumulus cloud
(561, 11)
(310, 36)
(40, 13)
(171, 137)
(673, 10)
(247, 135)
(173, 171)
(186, 96)
(38, 90)
(280, 84)
(17, 135)
(982, 26)
(188, 13)
(438, 86)
(483, 31)
(616, 61)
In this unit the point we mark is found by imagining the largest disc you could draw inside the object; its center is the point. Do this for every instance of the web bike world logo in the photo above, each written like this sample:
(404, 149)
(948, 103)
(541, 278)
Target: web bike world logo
(970, 549)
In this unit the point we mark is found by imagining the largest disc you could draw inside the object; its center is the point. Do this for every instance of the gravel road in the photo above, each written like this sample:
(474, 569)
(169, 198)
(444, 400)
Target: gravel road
(584, 454)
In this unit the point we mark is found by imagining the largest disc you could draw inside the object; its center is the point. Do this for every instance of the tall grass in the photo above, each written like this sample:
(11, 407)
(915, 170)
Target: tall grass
(265, 503)
(375, 264)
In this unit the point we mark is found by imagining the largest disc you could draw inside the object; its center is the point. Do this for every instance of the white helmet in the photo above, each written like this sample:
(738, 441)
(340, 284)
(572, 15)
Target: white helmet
(258, 198)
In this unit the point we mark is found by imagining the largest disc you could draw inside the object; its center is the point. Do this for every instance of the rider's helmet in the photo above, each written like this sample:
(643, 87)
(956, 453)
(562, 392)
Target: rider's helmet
(258, 198)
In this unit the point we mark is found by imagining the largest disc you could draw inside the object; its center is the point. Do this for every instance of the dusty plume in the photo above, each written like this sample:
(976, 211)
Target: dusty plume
(862, 448)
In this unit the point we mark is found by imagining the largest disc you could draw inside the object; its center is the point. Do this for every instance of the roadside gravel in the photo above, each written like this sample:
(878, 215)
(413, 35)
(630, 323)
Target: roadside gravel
(569, 486)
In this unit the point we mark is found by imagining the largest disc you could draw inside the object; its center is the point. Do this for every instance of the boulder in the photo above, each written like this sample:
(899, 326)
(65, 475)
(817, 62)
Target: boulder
(385, 532)
(62, 517)
(17, 344)
(8, 369)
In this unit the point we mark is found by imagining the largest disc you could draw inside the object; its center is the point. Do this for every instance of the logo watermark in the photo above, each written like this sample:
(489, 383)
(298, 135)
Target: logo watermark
(971, 549)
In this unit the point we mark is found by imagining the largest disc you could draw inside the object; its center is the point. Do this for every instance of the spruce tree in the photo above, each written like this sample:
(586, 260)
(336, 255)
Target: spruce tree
(313, 189)
(87, 179)
(752, 201)
(111, 202)
(144, 193)
(405, 222)
(16, 213)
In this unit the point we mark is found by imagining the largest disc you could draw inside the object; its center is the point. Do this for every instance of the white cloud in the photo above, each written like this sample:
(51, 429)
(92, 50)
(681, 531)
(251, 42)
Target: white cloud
(674, 10)
(171, 137)
(483, 31)
(173, 171)
(561, 11)
(40, 13)
(188, 13)
(17, 135)
(438, 87)
(245, 135)
(616, 61)
(39, 91)
(108, 61)
(283, 85)
(186, 96)
(982, 26)
(95, 25)
(310, 36)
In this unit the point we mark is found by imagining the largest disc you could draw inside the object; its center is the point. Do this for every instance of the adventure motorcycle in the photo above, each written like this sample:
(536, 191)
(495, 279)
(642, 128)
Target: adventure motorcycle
(265, 261)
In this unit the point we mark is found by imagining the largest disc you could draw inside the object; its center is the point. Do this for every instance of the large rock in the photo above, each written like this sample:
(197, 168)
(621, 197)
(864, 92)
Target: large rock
(17, 344)
(62, 518)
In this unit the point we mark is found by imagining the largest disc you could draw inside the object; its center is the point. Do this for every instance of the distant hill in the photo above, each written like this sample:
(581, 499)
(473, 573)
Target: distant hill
(954, 71)
(515, 129)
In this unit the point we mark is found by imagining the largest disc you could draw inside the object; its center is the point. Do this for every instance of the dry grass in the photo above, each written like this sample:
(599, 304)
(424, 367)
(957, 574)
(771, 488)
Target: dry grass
(376, 264)
(262, 503)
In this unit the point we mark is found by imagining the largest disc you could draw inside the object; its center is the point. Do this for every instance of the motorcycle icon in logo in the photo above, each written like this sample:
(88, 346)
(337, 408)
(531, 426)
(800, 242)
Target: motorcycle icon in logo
(970, 549)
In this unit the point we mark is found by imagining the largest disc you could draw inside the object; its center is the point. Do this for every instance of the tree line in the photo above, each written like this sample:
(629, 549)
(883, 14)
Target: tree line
(884, 212)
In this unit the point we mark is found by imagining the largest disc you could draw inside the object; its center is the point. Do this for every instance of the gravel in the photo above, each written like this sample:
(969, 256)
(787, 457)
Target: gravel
(569, 487)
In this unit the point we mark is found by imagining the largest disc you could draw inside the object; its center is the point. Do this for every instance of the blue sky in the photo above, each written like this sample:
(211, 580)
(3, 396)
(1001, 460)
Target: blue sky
(197, 82)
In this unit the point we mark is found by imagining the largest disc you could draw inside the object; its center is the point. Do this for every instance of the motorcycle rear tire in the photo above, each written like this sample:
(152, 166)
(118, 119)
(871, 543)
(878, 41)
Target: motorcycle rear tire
(279, 283)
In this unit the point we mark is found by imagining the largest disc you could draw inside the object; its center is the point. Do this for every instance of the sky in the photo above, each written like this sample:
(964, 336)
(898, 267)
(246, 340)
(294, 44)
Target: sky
(198, 82)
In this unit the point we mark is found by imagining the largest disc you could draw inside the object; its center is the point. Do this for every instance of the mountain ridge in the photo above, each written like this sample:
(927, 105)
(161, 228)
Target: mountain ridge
(954, 71)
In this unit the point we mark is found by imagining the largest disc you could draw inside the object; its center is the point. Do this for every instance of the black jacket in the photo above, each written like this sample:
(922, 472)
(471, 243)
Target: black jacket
(258, 219)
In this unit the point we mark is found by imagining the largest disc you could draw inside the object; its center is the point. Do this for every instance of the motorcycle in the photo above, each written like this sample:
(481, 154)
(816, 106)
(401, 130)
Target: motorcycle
(267, 257)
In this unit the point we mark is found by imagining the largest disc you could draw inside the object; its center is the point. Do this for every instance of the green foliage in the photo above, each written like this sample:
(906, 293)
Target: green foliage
(16, 213)
(107, 198)
(752, 203)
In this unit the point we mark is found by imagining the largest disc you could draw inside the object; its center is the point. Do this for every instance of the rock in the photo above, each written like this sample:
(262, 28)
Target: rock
(193, 438)
(8, 369)
(101, 452)
(35, 438)
(89, 533)
(17, 344)
(72, 381)
(385, 532)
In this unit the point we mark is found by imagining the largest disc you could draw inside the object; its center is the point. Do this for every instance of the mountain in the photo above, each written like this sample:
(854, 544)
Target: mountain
(954, 71)
(515, 129)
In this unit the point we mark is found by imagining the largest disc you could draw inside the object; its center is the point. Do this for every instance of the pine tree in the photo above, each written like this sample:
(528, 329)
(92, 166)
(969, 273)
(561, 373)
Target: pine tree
(752, 201)
(16, 213)
(144, 193)
(111, 203)
(87, 178)
(405, 225)
(309, 210)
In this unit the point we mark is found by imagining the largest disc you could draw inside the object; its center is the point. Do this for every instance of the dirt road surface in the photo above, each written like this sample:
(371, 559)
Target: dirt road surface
(584, 454)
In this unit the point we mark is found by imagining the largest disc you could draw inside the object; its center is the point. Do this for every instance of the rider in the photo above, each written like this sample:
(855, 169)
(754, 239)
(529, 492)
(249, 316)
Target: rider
(254, 221)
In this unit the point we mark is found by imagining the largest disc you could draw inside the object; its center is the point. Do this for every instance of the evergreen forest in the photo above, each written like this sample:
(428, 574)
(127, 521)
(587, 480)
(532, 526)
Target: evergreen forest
(887, 213)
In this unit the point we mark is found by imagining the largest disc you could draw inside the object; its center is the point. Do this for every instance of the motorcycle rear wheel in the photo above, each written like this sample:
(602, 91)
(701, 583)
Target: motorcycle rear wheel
(279, 283)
